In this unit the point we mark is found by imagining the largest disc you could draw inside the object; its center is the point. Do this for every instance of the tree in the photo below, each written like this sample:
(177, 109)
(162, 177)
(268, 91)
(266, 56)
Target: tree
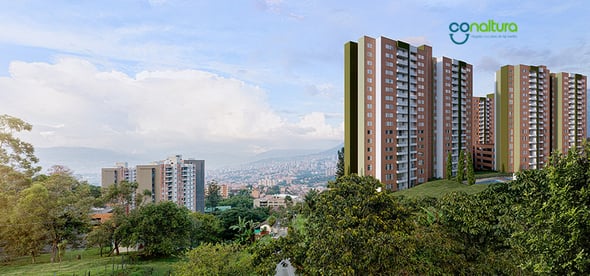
(206, 228)
(449, 166)
(340, 164)
(100, 236)
(461, 167)
(470, 171)
(67, 210)
(356, 230)
(25, 231)
(232, 216)
(213, 195)
(239, 200)
(162, 228)
(216, 259)
(15, 153)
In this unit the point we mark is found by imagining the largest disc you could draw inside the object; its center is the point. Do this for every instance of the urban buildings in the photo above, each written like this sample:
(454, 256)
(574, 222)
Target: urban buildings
(483, 113)
(568, 96)
(453, 87)
(404, 111)
(537, 112)
(388, 111)
(522, 117)
(173, 179)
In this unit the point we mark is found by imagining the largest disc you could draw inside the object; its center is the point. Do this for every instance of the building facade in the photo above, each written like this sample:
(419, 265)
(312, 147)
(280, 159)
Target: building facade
(454, 90)
(522, 137)
(483, 124)
(173, 179)
(388, 111)
(568, 125)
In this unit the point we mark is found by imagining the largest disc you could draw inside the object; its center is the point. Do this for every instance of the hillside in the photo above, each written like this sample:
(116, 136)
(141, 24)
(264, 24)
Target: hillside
(440, 187)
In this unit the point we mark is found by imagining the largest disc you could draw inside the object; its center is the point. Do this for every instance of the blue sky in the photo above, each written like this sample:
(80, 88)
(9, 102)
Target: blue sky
(224, 80)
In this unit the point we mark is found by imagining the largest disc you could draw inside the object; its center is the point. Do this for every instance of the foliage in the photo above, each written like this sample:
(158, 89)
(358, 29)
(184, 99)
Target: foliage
(27, 234)
(89, 262)
(461, 167)
(14, 153)
(556, 231)
(340, 164)
(231, 217)
(470, 170)
(239, 200)
(213, 195)
(356, 230)
(438, 189)
(216, 259)
(449, 166)
(163, 228)
(100, 236)
(206, 228)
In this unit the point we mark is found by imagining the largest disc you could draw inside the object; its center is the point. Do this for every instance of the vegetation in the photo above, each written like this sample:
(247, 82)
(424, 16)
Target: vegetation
(213, 195)
(470, 170)
(449, 167)
(439, 188)
(536, 224)
(340, 164)
(84, 261)
(461, 167)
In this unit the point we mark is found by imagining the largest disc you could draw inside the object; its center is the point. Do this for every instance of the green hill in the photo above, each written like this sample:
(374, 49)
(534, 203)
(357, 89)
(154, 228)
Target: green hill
(440, 187)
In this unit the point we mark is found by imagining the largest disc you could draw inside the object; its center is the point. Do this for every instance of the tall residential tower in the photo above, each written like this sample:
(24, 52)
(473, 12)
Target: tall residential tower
(523, 114)
(388, 111)
(568, 125)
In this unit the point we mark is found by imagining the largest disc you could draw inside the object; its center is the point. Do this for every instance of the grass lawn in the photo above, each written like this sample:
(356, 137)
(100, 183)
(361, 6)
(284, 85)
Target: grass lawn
(440, 187)
(488, 174)
(89, 262)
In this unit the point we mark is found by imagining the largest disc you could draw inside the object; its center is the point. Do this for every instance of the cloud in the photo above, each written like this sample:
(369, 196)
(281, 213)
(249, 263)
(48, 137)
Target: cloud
(73, 103)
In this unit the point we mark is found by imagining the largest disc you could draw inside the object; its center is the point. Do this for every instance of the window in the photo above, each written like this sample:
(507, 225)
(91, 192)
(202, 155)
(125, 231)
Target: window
(369, 106)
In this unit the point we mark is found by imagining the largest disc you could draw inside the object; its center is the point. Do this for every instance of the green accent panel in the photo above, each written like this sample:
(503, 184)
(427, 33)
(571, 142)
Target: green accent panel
(351, 127)
(403, 45)
(501, 107)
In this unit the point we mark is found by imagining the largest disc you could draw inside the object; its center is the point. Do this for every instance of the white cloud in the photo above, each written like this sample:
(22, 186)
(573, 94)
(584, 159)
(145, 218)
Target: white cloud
(72, 103)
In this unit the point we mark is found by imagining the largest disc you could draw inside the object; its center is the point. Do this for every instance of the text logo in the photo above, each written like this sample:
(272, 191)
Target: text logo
(460, 32)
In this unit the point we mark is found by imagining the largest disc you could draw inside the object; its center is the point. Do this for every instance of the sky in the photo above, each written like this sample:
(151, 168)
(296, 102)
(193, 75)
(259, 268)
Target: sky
(226, 80)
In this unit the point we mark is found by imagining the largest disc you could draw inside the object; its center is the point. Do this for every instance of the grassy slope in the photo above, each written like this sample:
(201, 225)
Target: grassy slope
(90, 261)
(440, 187)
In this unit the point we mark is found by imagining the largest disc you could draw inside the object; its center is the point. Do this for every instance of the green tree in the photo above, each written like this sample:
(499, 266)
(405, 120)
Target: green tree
(206, 229)
(556, 235)
(213, 195)
(449, 166)
(100, 236)
(163, 228)
(15, 153)
(26, 233)
(470, 170)
(461, 167)
(67, 210)
(245, 230)
(232, 216)
(216, 259)
(240, 200)
(355, 230)
(340, 164)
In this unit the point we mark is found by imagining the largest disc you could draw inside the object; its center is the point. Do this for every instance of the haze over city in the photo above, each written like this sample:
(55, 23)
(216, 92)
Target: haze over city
(226, 80)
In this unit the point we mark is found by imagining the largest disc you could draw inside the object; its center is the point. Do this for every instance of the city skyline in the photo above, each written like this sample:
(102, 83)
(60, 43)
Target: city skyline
(223, 81)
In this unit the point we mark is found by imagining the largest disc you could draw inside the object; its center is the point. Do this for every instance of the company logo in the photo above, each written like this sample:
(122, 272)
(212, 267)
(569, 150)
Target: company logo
(489, 29)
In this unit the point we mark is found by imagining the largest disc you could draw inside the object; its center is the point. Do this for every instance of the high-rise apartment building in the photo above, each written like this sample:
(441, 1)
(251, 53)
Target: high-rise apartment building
(483, 112)
(388, 111)
(522, 137)
(173, 179)
(568, 124)
(117, 174)
(454, 90)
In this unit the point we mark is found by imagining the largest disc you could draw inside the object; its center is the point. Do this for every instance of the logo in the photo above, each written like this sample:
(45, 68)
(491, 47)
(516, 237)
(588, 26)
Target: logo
(490, 29)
